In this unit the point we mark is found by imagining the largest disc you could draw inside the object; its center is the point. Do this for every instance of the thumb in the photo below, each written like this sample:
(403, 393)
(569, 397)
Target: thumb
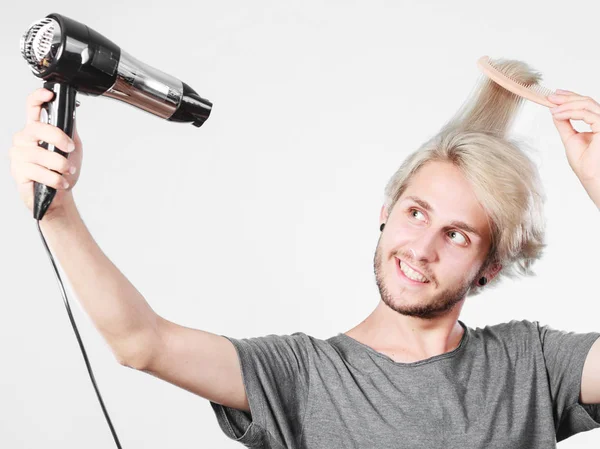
(76, 137)
(565, 129)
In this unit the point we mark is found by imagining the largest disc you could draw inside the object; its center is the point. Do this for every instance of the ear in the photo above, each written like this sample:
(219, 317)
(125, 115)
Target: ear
(383, 214)
(493, 271)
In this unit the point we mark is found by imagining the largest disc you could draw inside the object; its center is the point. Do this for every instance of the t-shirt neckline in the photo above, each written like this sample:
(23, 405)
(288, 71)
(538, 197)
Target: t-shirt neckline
(355, 344)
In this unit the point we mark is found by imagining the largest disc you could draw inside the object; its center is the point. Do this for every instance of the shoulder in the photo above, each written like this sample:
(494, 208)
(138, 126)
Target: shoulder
(513, 332)
(297, 342)
(509, 327)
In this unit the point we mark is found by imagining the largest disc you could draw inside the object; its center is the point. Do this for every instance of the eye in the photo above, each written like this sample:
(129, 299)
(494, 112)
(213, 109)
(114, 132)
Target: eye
(462, 236)
(456, 233)
(415, 210)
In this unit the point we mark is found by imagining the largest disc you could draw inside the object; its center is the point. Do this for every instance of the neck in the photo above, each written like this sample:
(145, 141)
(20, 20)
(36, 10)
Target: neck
(409, 338)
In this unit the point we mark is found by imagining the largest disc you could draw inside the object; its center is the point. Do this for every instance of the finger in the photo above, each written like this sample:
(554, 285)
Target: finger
(34, 103)
(37, 131)
(565, 129)
(568, 98)
(563, 91)
(568, 92)
(33, 172)
(561, 98)
(43, 157)
(588, 104)
(580, 114)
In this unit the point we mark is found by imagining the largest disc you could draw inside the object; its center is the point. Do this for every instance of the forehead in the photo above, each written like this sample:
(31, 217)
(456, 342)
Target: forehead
(451, 196)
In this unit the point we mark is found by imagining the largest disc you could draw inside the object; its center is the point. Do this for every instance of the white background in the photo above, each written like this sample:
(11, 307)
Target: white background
(265, 220)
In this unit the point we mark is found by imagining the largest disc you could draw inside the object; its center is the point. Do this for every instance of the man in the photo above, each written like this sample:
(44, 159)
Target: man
(460, 213)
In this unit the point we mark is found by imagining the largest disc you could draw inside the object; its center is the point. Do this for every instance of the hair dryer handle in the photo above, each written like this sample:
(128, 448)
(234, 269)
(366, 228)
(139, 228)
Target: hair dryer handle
(61, 113)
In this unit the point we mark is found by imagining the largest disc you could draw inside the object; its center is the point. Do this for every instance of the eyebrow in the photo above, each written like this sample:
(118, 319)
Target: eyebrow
(456, 223)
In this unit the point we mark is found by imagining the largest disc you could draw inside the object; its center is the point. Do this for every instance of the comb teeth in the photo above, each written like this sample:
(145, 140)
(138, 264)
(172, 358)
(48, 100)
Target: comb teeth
(534, 92)
(536, 87)
(36, 43)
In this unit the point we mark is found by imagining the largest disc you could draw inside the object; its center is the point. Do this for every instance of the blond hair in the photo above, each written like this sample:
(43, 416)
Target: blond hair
(505, 180)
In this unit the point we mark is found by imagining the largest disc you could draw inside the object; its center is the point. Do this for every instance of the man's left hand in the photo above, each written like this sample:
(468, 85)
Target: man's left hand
(582, 148)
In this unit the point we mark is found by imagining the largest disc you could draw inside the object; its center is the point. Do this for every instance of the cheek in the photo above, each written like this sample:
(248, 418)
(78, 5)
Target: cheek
(402, 233)
(455, 269)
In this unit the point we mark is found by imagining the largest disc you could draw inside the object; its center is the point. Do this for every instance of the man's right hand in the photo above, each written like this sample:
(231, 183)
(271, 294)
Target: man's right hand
(30, 162)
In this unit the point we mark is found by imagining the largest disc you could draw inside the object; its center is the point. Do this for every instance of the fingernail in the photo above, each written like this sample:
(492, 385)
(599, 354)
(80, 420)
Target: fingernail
(560, 91)
(66, 184)
(72, 170)
(71, 146)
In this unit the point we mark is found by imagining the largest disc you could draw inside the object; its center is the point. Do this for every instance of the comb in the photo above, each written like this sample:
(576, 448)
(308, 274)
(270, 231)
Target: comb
(534, 92)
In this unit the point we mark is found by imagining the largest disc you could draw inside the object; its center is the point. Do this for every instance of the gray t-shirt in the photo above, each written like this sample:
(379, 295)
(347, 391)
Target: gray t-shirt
(511, 385)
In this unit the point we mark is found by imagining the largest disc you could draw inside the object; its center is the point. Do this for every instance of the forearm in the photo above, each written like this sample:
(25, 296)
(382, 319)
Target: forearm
(117, 309)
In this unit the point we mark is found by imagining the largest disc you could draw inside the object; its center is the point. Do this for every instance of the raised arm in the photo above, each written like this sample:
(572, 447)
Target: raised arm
(203, 363)
(590, 379)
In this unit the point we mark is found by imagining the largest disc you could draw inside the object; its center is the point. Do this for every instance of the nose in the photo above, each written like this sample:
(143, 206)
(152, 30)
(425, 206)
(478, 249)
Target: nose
(423, 248)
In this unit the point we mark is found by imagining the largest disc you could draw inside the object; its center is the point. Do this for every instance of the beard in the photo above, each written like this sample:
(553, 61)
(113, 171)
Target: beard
(441, 303)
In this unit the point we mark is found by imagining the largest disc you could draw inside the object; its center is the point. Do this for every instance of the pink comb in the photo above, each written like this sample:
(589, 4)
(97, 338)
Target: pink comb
(533, 92)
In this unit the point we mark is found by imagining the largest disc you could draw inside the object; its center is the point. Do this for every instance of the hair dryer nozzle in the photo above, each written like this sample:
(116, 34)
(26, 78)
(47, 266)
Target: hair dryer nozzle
(192, 108)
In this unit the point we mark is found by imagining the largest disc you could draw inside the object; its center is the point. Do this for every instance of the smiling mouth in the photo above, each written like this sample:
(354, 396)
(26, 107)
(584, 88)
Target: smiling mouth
(411, 274)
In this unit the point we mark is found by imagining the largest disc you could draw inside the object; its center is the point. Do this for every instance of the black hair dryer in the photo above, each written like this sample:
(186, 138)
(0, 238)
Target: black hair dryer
(71, 58)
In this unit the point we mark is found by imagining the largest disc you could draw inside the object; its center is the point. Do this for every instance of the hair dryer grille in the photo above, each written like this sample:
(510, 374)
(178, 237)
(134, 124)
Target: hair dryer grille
(37, 41)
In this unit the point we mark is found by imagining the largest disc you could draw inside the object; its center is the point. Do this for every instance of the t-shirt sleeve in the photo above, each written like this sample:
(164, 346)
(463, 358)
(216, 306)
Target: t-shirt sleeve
(275, 372)
(564, 355)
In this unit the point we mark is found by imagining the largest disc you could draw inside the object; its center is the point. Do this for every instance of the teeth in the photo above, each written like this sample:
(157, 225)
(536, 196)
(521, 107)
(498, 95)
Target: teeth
(412, 274)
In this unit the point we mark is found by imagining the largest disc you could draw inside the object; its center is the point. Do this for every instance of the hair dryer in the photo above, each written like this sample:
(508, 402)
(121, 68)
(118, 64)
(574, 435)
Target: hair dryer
(72, 57)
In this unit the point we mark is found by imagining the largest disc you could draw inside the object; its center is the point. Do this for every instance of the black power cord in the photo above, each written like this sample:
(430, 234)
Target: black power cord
(85, 357)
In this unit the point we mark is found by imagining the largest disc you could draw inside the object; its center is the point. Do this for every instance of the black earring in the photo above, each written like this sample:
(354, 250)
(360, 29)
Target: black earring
(482, 281)
(382, 226)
